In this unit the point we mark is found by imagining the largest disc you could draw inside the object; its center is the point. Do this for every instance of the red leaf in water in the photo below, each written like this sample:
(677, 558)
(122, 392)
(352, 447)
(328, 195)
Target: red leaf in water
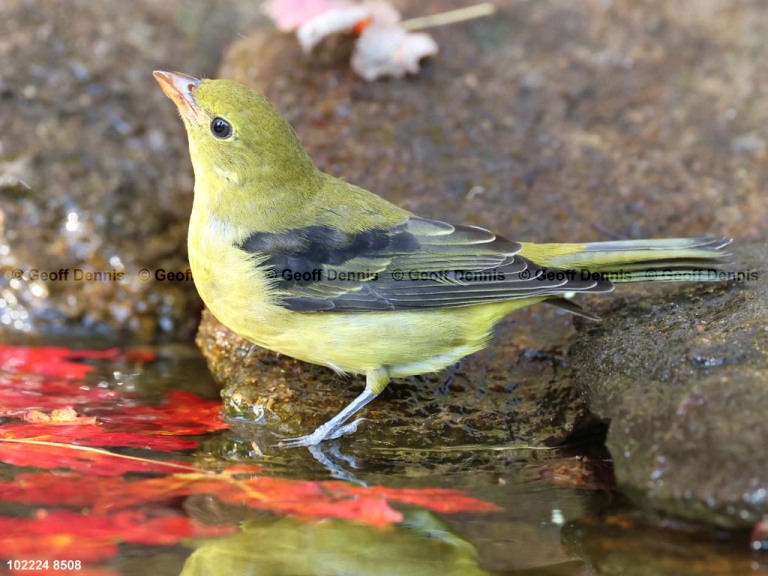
(106, 494)
(437, 499)
(82, 459)
(367, 508)
(21, 538)
(52, 435)
(139, 355)
(65, 489)
(301, 498)
(90, 537)
(134, 527)
(46, 378)
(155, 427)
(55, 387)
(22, 392)
(94, 435)
(50, 360)
(180, 414)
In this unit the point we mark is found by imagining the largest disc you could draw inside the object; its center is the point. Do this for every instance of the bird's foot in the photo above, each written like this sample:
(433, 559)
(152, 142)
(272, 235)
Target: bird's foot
(321, 434)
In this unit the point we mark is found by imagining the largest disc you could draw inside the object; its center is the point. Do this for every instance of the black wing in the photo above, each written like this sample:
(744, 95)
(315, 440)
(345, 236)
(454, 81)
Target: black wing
(418, 264)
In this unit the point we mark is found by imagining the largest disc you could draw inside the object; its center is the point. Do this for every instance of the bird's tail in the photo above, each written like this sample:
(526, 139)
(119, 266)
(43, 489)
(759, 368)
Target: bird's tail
(664, 260)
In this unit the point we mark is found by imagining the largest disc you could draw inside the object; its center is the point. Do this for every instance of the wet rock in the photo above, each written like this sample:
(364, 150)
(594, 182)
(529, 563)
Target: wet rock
(680, 374)
(516, 390)
(95, 184)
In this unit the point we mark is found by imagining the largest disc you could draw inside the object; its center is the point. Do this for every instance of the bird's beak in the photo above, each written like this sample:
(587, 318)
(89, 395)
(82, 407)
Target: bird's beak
(181, 89)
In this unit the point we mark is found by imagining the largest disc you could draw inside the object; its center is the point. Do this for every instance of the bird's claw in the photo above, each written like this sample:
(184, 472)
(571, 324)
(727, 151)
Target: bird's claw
(321, 434)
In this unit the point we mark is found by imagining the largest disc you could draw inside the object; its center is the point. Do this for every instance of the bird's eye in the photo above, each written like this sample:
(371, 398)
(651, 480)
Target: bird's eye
(221, 128)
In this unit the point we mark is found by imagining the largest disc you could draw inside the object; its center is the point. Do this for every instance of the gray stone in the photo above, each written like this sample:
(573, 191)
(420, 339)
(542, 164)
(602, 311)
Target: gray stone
(681, 376)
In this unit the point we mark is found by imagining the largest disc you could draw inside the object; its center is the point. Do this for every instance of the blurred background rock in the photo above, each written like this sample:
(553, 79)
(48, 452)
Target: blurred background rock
(94, 173)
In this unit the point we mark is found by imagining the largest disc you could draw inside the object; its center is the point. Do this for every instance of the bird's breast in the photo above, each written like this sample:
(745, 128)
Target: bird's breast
(232, 284)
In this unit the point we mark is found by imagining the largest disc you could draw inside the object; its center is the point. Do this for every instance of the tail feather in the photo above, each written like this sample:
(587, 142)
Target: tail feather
(705, 242)
(572, 307)
(670, 259)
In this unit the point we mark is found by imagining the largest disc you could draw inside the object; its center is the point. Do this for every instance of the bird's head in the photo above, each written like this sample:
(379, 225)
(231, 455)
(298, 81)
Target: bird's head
(236, 137)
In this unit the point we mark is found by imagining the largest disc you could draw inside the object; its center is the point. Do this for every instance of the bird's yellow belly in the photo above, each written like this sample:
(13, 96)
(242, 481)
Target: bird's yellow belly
(406, 342)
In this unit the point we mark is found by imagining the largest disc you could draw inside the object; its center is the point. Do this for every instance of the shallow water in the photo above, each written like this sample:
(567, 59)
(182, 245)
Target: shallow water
(347, 508)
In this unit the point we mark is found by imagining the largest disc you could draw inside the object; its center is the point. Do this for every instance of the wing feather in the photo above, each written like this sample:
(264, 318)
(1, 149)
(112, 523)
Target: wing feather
(418, 264)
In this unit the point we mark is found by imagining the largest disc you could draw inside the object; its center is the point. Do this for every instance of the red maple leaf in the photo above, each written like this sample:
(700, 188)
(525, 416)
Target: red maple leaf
(283, 496)
(83, 459)
(180, 414)
(50, 361)
(93, 435)
(442, 500)
(155, 427)
(22, 392)
(56, 386)
(92, 537)
(46, 378)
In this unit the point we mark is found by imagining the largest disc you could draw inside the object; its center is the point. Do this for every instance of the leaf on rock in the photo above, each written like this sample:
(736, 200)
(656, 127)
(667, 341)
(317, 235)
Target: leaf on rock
(334, 21)
(288, 15)
(350, 18)
(390, 51)
(384, 47)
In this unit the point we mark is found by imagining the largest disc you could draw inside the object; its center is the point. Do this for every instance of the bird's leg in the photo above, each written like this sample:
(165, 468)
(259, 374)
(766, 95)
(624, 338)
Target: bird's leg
(376, 380)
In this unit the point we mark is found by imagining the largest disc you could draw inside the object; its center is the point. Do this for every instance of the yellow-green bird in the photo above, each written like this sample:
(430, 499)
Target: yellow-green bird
(308, 265)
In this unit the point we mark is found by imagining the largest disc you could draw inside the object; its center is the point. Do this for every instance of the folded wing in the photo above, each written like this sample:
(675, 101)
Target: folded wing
(417, 264)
